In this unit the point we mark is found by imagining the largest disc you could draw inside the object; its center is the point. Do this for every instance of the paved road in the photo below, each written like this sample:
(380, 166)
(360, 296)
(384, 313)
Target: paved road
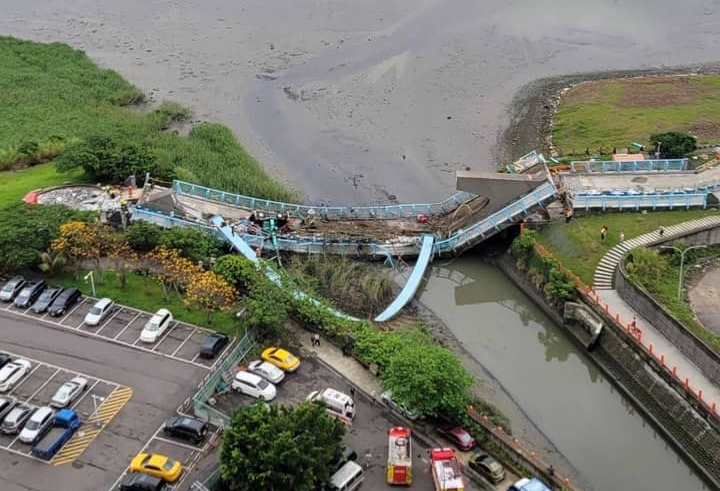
(160, 385)
(705, 298)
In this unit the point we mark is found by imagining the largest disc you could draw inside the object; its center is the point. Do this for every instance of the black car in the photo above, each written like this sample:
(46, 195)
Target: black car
(6, 405)
(64, 301)
(213, 345)
(142, 482)
(186, 428)
(45, 300)
(4, 359)
(12, 288)
(29, 294)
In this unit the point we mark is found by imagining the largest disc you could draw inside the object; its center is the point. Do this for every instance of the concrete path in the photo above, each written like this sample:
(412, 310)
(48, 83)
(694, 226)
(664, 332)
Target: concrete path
(705, 298)
(662, 346)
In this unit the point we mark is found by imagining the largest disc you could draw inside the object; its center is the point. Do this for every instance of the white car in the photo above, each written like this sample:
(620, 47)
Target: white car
(11, 373)
(68, 392)
(99, 311)
(35, 427)
(156, 326)
(253, 386)
(266, 370)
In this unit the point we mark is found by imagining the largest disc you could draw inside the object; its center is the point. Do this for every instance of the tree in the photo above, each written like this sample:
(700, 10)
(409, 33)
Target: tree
(192, 243)
(429, 379)
(238, 271)
(51, 262)
(172, 270)
(123, 257)
(647, 266)
(278, 447)
(78, 241)
(210, 292)
(143, 236)
(674, 145)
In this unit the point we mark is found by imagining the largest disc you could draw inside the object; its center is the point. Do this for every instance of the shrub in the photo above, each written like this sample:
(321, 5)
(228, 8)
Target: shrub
(144, 236)
(647, 265)
(192, 243)
(674, 145)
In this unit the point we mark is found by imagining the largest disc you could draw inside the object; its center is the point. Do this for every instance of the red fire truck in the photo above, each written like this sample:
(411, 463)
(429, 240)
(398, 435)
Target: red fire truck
(446, 470)
(399, 463)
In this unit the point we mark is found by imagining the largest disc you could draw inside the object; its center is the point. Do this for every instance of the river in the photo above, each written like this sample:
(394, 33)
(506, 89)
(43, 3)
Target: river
(610, 446)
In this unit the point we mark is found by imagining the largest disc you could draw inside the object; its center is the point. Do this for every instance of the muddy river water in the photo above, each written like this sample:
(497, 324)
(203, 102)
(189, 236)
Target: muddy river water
(376, 100)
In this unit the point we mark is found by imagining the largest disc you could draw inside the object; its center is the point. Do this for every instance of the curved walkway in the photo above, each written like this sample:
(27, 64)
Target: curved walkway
(605, 270)
(616, 305)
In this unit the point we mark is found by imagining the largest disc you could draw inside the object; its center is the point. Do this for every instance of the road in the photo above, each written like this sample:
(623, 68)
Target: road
(160, 385)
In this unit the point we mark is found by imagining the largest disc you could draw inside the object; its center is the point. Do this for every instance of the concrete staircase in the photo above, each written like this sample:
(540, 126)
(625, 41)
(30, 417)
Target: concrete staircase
(605, 271)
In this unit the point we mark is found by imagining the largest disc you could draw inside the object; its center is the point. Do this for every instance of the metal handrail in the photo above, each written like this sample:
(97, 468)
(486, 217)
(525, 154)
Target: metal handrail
(613, 166)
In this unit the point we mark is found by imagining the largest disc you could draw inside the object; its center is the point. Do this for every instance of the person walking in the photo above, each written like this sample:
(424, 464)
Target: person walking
(661, 231)
(352, 392)
(622, 236)
(603, 233)
(316, 340)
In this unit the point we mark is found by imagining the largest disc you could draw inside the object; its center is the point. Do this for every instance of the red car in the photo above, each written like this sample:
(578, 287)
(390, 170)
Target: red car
(459, 437)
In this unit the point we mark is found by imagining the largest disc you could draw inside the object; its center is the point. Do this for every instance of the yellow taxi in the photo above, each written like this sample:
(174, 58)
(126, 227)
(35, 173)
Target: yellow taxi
(281, 358)
(157, 465)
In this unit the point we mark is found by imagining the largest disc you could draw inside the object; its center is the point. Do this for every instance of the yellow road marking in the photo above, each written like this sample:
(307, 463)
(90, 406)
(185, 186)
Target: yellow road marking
(102, 416)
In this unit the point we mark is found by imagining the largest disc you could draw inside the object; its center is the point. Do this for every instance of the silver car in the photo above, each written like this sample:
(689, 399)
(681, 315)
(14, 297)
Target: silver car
(11, 373)
(68, 392)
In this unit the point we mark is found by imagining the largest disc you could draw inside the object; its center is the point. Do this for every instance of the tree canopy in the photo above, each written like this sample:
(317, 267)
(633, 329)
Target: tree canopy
(278, 448)
(674, 145)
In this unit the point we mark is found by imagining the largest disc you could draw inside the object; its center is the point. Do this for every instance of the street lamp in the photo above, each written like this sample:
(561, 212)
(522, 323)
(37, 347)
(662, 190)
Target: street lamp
(682, 261)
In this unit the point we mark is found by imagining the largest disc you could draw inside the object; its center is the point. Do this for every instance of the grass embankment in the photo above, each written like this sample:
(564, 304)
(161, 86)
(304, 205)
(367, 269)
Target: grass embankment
(663, 288)
(145, 293)
(578, 247)
(14, 185)
(606, 114)
(54, 96)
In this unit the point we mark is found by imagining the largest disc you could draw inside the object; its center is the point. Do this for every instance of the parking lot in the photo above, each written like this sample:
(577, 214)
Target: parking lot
(368, 433)
(123, 325)
(132, 390)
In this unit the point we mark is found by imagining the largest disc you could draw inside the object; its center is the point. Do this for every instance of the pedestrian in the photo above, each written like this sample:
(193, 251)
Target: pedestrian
(661, 230)
(316, 340)
(622, 236)
(568, 215)
(634, 322)
(603, 233)
(352, 392)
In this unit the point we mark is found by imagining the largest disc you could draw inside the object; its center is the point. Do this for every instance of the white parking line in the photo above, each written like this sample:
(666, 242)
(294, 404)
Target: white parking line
(25, 378)
(125, 328)
(177, 444)
(167, 332)
(109, 320)
(27, 401)
(184, 341)
(85, 393)
(71, 312)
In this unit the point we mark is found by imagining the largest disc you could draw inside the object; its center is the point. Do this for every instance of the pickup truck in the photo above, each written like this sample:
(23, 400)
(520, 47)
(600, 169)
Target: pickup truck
(64, 426)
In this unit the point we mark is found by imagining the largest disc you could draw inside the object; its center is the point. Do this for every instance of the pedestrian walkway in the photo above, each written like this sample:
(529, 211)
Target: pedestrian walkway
(605, 271)
(686, 369)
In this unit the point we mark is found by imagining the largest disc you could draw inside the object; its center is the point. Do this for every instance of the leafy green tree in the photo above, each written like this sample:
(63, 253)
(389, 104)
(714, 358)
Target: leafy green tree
(237, 270)
(193, 244)
(674, 145)
(429, 379)
(278, 448)
(144, 236)
(267, 307)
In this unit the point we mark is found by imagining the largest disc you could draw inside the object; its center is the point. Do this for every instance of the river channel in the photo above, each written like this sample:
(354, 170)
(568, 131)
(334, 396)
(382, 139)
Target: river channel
(608, 443)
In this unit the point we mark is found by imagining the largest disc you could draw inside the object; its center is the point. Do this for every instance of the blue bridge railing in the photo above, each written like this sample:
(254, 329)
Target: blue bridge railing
(326, 212)
(640, 201)
(611, 166)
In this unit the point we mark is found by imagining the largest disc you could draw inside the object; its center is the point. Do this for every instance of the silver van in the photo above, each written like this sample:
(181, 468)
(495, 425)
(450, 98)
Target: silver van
(350, 476)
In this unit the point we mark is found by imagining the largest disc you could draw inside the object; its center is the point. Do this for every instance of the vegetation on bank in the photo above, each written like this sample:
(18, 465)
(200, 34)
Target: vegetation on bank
(578, 247)
(658, 274)
(605, 114)
(15, 184)
(56, 100)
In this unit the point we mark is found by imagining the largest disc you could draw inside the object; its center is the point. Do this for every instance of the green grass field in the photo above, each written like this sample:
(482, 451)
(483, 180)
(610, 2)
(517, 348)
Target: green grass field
(145, 293)
(578, 247)
(52, 95)
(16, 184)
(611, 114)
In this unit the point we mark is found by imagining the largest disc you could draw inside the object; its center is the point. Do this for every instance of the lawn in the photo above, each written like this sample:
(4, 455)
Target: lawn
(606, 114)
(53, 96)
(578, 247)
(145, 293)
(14, 185)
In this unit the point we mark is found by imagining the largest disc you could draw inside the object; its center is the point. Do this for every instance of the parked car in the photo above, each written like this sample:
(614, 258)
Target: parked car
(387, 398)
(253, 386)
(525, 484)
(157, 465)
(6, 405)
(99, 311)
(16, 418)
(266, 370)
(68, 392)
(65, 423)
(142, 482)
(156, 326)
(281, 358)
(29, 293)
(12, 372)
(64, 301)
(336, 403)
(488, 467)
(347, 455)
(46, 298)
(458, 436)
(37, 425)
(213, 345)
(12, 288)
(186, 428)
(4, 359)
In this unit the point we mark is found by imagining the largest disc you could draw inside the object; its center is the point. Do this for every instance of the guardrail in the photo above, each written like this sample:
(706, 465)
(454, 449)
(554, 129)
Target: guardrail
(612, 166)
(325, 212)
(638, 201)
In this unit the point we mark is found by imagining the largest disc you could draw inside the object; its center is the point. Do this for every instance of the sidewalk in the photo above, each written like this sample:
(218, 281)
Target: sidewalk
(662, 346)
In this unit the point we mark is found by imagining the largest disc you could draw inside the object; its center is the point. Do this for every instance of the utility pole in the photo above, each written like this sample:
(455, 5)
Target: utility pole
(91, 277)
(682, 262)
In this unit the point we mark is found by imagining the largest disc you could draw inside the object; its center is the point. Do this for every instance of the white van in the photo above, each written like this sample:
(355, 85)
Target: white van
(348, 477)
(253, 386)
(99, 311)
(337, 404)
